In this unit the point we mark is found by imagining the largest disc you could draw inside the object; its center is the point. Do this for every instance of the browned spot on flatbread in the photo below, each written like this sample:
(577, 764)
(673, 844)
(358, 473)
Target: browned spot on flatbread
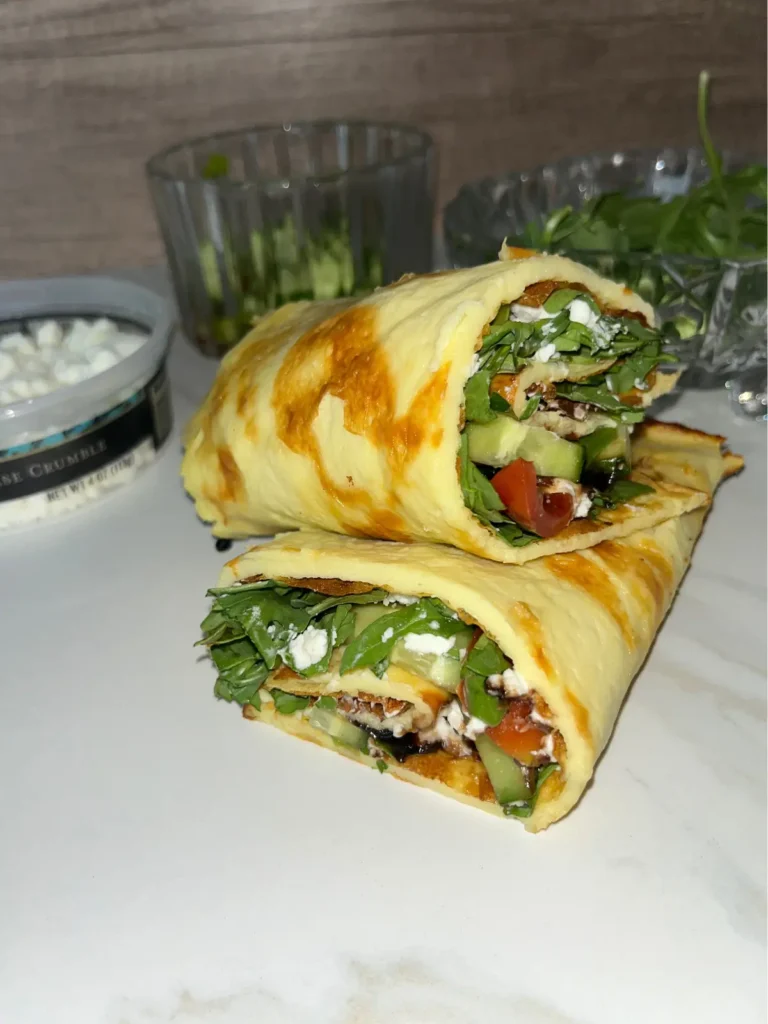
(646, 576)
(404, 436)
(343, 357)
(437, 437)
(464, 540)
(230, 477)
(464, 774)
(384, 524)
(244, 390)
(577, 569)
(516, 252)
(331, 587)
(580, 717)
(529, 623)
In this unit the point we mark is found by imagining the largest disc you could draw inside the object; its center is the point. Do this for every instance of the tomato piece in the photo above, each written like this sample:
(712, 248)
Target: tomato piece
(544, 514)
(517, 735)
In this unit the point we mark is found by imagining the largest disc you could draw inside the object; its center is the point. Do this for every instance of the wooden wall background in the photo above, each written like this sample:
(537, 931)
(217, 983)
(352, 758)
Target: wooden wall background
(90, 88)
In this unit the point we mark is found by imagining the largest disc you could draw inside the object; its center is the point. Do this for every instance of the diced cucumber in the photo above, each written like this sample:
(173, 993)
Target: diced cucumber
(505, 773)
(495, 443)
(618, 447)
(339, 728)
(505, 439)
(365, 614)
(551, 455)
(443, 669)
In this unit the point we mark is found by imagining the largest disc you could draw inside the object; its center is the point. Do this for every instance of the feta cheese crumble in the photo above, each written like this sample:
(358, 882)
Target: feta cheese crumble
(58, 356)
(399, 599)
(581, 312)
(545, 353)
(308, 648)
(509, 682)
(528, 314)
(582, 506)
(427, 643)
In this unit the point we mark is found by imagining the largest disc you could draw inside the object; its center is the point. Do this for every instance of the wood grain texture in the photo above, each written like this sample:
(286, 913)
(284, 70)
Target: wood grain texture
(91, 88)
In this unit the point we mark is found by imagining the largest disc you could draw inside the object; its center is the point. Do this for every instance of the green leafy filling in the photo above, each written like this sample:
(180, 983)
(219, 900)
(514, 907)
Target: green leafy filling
(250, 625)
(509, 346)
(481, 498)
(726, 218)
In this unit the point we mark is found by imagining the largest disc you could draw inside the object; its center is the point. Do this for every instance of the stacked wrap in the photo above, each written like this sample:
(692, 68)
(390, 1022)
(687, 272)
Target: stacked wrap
(346, 417)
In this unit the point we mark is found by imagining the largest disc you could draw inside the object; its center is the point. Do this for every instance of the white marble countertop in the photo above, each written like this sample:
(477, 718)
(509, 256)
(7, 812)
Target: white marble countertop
(162, 860)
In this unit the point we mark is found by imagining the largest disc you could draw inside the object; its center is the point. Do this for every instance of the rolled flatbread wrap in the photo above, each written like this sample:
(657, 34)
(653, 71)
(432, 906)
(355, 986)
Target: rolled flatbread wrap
(491, 409)
(496, 685)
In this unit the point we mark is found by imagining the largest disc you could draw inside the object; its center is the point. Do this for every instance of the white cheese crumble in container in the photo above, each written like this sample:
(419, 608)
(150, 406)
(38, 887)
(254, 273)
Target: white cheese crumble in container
(84, 397)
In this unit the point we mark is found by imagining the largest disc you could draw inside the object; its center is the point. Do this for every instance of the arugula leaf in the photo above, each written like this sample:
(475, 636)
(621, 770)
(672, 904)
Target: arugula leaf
(562, 297)
(514, 534)
(328, 703)
(622, 491)
(481, 704)
(372, 597)
(485, 659)
(288, 703)
(241, 672)
(530, 407)
(477, 402)
(217, 629)
(598, 394)
(374, 644)
(479, 495)
(499, 403)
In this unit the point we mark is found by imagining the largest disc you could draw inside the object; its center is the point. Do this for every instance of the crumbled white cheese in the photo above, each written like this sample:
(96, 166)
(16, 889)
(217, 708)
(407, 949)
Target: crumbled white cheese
(582, 506)
(308, 647)
(454, 716)
(474, 727)
(387, 634)
(547, 748)
(57, 357)
(399, 599)
(510, 682)
(474, 366)
(427, 643)
(528, 314)
(604, 331)
(545, 353)
(581, 312)
(452, 728)
(536, 717)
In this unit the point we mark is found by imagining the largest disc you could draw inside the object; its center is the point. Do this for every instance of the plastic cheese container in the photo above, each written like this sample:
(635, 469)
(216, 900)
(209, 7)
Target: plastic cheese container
(83, 420)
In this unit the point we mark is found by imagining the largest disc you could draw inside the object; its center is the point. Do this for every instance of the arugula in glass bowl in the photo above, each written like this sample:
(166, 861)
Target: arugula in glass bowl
(686, 228)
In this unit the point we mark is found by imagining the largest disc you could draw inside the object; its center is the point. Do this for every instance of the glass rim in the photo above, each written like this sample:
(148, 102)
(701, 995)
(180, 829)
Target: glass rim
(510, 178)
(424, 146)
